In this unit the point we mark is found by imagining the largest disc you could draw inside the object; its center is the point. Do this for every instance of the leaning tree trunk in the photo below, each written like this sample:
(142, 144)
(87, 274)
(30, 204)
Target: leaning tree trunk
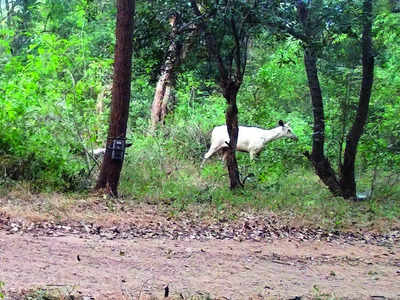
(347, 180)
(161, 95)
(167, 98)
(111, 168)
(321, 164)
(230, 91)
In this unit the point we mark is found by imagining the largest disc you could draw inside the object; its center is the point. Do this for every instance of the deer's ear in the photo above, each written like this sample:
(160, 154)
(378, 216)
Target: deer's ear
(280, 123)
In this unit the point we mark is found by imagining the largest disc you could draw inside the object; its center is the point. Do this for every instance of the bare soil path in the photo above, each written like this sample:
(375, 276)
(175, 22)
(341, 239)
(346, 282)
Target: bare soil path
(133, 253)
(127, 268)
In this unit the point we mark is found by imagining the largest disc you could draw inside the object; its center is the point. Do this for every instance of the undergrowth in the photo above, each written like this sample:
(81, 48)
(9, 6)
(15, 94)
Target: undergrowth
(159, 171)
(164, 169)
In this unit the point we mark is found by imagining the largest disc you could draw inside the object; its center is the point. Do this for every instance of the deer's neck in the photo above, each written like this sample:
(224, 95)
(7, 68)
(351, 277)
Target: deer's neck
(272, 134)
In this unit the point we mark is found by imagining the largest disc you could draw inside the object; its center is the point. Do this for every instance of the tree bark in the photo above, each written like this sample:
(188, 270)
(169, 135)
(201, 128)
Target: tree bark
(167, 97)
(345, 186)
(161, 95)
(111, 169)
(321, 164)
(347, 180)
(230, 82)
(230, 91)
(8, 13)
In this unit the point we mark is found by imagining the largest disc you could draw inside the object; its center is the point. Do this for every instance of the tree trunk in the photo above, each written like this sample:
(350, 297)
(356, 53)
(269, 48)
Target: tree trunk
(166, 99)
(8, 13)
(346, 186)
(230, 91)
(321, 164)
(159, 106)
(230, 81)
(347, 180)
(111, 169)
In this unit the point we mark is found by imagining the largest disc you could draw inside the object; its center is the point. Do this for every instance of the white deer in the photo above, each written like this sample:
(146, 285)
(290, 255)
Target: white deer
(250, 139)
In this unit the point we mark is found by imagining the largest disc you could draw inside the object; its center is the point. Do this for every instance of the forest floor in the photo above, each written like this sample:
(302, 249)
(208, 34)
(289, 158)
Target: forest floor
(136, 253)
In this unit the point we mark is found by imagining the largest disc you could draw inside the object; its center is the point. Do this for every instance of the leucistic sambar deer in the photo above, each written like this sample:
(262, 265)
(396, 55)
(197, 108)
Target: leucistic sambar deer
(250, 139)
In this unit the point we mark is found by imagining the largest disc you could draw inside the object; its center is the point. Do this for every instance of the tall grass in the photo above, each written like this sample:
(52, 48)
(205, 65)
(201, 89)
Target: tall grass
(165, 169)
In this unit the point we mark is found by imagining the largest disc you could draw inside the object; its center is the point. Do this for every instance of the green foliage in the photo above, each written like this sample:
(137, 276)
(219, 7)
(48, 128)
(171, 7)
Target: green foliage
(383, 132)
(197, 102)
(318, 294)
(1, 290)
(281, 179)
(157, 176)
(156, 173)
(51, 294)
(141, 96)
(56, 60)
(47, 120)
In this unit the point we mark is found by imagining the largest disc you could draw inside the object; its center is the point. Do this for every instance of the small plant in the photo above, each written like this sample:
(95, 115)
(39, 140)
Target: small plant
(318, 294)
(2, 293)
(51, 294)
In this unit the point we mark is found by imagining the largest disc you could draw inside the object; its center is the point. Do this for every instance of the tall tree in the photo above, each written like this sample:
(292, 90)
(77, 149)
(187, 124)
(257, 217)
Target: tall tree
(344, 184)
(312, 32)
(347, 180)
(312, 21)
(163, 87)
(121, 91)
(226, 27)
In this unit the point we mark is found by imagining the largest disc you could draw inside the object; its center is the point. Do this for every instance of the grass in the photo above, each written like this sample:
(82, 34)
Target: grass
(69, 293)
(160, 173)
(51, 294)
(157, 176)
(318, 294)
(186, 191)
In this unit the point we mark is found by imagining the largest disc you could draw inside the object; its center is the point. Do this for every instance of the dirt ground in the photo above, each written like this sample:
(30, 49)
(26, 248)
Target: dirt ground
(81, 247)
(105, 266)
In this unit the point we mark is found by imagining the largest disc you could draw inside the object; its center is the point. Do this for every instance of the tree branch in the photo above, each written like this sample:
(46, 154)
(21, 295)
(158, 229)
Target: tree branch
(210, 40)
